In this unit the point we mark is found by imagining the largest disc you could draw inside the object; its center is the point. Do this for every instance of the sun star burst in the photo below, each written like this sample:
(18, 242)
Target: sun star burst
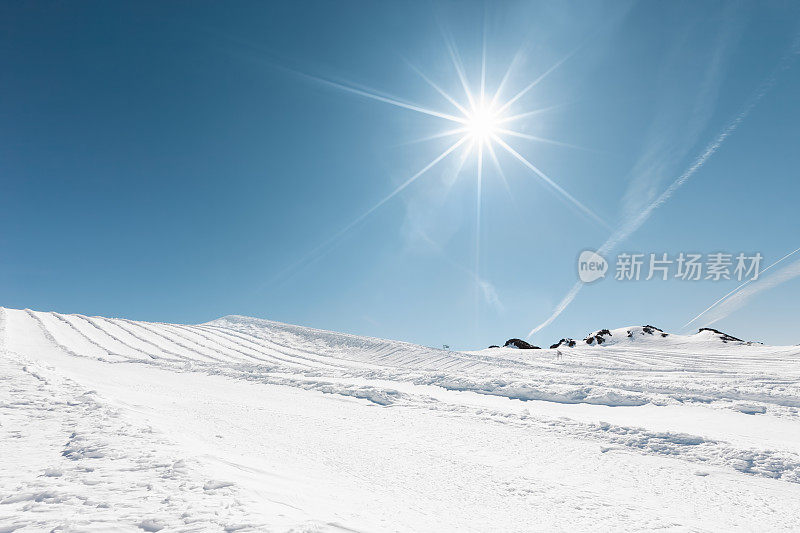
(482, 124)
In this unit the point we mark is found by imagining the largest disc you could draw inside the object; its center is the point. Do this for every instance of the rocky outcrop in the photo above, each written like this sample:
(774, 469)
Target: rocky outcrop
(723, 336)
(569, 343)
(649, 335)
(598, 337)
(520, 344)
(649, 330)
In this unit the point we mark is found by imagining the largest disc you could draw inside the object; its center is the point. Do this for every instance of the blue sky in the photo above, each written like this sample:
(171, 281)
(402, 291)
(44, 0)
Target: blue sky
(180, 162)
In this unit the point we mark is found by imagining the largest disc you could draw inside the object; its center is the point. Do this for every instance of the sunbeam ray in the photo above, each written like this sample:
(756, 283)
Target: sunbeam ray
(440, 135)
(504, 120)
(483, 60)
(318, 251)
(457, 64)
(462, 160)
(500, 172)
(478, 196)
(505, 77)
(438, 89)
(550, 182)
(384, 99)
(513, 133)
(534, 83)
(478, 209)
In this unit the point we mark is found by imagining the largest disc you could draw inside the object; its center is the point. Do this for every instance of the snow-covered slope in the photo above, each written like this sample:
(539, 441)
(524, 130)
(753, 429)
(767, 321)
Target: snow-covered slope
(243, 423)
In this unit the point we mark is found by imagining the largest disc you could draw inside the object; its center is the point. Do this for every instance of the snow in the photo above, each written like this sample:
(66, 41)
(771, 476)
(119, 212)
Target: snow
(243, 424)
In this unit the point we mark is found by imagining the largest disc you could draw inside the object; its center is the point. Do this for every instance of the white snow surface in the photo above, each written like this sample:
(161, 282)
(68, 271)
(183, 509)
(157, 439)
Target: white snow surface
(244, 424)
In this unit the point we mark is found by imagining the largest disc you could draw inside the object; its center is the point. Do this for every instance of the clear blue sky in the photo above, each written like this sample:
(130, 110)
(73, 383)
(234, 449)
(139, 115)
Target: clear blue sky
(179, 162)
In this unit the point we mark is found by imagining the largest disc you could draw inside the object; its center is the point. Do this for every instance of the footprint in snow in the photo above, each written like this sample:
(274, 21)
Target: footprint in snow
(151, 524)
(213, 485)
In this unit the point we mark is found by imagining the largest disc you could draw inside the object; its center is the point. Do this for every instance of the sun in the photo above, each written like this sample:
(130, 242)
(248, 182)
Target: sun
(482, 123)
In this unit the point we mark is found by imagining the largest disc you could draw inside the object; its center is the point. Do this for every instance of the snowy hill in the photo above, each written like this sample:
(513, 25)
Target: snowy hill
(247, 424)
(705, 338)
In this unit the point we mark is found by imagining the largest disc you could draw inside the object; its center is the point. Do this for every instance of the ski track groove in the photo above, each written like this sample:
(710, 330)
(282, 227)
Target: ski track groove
(49, 336)
(232, 356)
(115, 338)
(237, 338)
(88, 339)
(231, 346)
(217, 354)
(160, 349)
(68, 319)
(258, 353)
(152, 329)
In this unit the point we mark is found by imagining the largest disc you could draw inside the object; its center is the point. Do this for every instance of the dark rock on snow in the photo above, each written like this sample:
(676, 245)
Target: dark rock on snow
(724, 336)
(563, 342)
(521, 344)
(650, 330)
(599, 337)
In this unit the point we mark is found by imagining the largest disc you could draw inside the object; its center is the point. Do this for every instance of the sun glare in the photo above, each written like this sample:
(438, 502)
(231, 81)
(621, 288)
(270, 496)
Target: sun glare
(482, 123)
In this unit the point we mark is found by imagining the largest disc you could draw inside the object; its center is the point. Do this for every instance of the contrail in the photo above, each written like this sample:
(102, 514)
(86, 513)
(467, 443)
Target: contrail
(573, 292)
(712, 306)
(740, 298)
(636, 222)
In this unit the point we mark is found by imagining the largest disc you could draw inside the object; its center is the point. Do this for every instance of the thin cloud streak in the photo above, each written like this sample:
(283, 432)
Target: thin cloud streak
(675, 131)
(712, 306)
(741, 298)
(633, 224)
